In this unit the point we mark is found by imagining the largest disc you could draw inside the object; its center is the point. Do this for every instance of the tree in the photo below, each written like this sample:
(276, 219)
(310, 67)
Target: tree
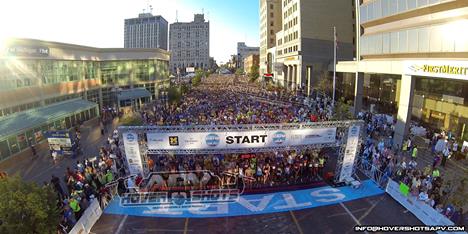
(131, 120)
(198, 77)
(253, 74)
(239, 72)
(174, 94)
(27, 208)
(325, 84)
(342, 110)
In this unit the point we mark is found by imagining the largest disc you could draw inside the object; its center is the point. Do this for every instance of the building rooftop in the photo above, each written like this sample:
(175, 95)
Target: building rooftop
(37, 117)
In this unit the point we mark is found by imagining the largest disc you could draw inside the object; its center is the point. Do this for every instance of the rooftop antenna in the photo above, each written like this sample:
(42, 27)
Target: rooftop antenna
(177, 16)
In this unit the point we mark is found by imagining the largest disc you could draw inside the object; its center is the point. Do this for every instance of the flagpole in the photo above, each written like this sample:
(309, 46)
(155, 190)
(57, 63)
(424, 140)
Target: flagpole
(334, 63)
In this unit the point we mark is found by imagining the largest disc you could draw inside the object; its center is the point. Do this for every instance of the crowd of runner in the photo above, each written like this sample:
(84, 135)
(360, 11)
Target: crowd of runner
(214, 102)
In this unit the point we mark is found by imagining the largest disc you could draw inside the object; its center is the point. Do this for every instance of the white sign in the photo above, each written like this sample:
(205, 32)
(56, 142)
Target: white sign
(190, 69)
(350, 153)
(132, 153)
(88, 219)
(239, 140)
(420, 209)
(433, 68)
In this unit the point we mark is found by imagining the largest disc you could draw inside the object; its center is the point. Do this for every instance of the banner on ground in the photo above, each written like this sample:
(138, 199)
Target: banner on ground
(132, 153)
(420, 209)
(60, 141)
(239, 140)
(350, 153)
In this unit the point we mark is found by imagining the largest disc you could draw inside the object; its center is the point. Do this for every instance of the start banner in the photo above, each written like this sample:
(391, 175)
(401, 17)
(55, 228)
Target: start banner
(239, 140)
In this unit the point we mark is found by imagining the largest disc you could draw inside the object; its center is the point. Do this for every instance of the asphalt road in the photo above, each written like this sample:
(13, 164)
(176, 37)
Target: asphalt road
(339, 218)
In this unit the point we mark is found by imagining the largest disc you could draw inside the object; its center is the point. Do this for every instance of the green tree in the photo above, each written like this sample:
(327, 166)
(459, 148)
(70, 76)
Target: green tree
(27, 208)
(325, 84)
(131, 120)
(342, 110)
(254, 73)
(174, 94)
(239, 72)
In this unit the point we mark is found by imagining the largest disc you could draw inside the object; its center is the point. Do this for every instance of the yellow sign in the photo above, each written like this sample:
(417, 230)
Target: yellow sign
(445, 69)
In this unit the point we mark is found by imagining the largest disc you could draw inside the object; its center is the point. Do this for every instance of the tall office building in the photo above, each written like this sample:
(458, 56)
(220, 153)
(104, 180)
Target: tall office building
(190, 44)
(146, 31)
(270, 24)
(243, 51)
(413, 64)
(304, 46)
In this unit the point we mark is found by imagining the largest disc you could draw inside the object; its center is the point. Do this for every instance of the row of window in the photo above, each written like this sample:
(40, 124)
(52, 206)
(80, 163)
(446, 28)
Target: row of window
(290, 11)
(291, 23)
(288, 50)
(436, 38)
(383, 8)
(290, 37)
(27, 73)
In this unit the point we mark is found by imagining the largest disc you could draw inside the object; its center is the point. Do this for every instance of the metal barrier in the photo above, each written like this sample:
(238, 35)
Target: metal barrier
(371, 171)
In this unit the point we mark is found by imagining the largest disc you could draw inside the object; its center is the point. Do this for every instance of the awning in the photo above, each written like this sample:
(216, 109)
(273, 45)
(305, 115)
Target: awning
(131, 94)
(21, 121)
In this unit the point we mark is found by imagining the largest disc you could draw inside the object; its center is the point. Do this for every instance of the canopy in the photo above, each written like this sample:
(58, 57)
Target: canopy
(131, 94)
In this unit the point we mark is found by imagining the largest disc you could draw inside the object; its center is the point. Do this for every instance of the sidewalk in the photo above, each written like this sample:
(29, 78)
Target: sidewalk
(41, 169)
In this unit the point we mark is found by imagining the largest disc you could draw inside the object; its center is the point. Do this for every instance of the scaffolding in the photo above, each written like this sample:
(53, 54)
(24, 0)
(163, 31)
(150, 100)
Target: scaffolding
(341, 134)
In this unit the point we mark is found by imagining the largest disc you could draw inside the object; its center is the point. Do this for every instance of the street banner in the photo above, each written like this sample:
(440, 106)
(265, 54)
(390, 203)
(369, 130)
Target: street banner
(350, 153)
(239, 139)
(60, 141)
(404, 189)
(132, 153)
(425, 213)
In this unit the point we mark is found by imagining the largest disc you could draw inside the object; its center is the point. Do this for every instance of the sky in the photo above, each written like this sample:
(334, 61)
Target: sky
(100, 23)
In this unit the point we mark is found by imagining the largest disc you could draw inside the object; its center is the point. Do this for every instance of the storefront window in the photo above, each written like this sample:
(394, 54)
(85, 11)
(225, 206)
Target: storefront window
(22, 143)
(4, 150)
(345, 83)
(381, 93)
(440, 103)
(13, 143)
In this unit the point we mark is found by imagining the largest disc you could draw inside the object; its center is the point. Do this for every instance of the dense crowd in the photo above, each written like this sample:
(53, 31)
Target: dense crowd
(257, 170)
(216, 101)
(87, 181)
(400, 163)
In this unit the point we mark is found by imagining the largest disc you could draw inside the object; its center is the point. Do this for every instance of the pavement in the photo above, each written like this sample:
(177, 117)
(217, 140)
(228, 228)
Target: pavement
(339, 218)
(41, 168)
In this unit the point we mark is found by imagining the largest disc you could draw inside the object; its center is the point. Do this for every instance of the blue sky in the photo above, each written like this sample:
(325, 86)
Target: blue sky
(100, 22)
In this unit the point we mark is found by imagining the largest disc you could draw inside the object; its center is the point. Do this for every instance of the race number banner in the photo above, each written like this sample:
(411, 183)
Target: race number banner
(350, 153)
(60, 142)
(239, 140)
(132, 153)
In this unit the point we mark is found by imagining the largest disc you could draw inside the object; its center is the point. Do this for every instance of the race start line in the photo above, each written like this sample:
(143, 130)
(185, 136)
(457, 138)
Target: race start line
(228, 203)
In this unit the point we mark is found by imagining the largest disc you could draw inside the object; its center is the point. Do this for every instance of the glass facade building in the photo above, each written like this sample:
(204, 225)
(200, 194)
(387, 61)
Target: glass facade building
(37, 75)
(412, 63)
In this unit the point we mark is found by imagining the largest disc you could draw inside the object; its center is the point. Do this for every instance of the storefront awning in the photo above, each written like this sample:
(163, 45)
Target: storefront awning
(131, 94)
(37, 117)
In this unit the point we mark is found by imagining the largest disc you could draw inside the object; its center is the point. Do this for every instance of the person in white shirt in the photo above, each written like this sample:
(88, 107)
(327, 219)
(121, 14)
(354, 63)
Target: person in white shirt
(423, 196)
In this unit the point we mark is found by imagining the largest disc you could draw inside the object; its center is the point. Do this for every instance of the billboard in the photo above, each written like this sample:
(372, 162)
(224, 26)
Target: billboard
(235, 140)
(132, 153)
(60, 141)
(189, 69)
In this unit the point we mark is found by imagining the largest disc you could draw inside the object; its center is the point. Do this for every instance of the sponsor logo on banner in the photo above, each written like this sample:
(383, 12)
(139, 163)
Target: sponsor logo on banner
(212, 139)
(130, 138)
(239, 139)
(174, 140)
(279, 138)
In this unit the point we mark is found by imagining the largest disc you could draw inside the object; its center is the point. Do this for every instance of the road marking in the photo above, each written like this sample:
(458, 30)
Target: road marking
(352, 216)
(371, 208)
(345, 213)
(296, 222)
(186, 226)
(121, 224)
